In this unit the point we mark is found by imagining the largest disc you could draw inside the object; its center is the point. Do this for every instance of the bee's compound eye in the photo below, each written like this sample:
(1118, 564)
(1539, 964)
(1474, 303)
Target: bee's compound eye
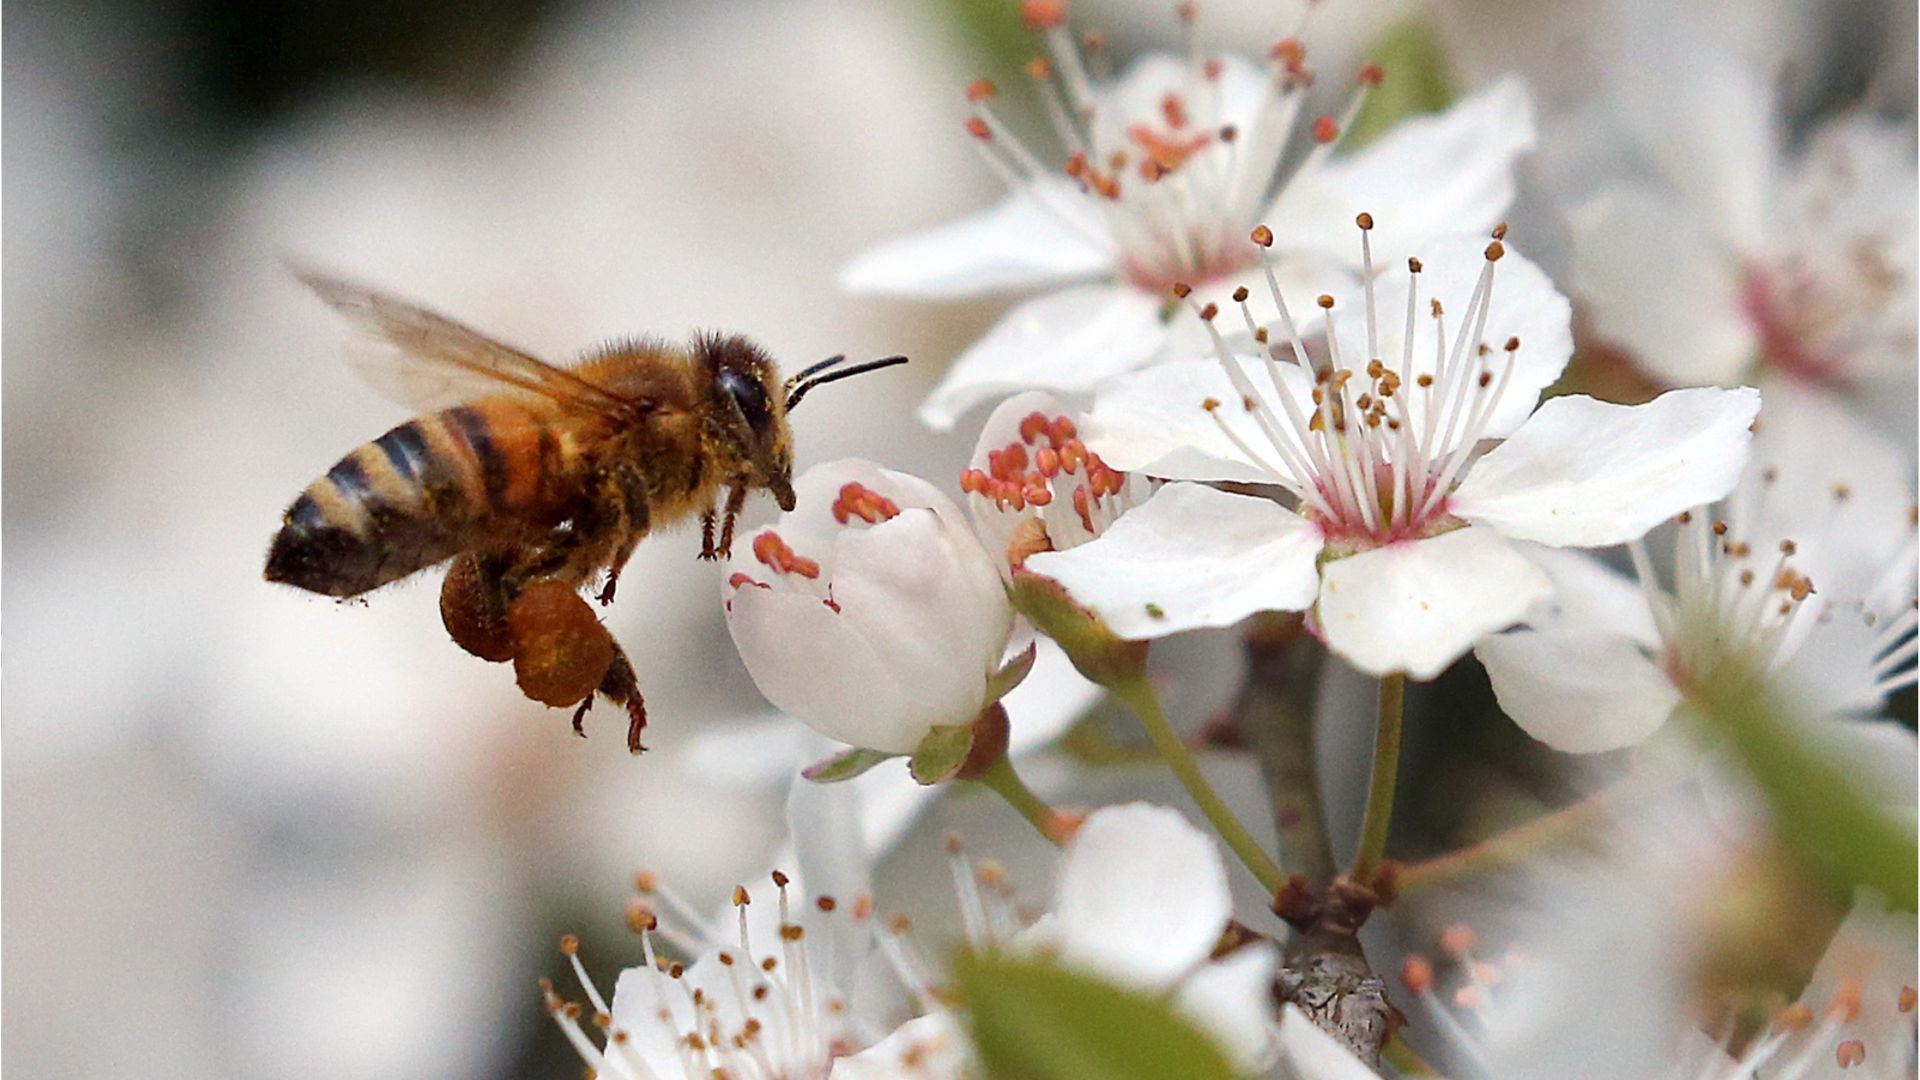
(747, 392)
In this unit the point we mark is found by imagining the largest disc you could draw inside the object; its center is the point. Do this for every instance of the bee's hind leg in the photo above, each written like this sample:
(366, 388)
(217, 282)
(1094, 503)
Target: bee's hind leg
(622, 687)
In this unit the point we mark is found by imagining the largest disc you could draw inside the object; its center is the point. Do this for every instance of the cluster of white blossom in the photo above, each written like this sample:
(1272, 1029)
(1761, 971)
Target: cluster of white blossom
(1266, 373)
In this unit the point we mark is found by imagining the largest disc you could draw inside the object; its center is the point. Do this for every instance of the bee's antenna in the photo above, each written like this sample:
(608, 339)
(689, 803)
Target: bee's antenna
(814, 369)
(800, 390)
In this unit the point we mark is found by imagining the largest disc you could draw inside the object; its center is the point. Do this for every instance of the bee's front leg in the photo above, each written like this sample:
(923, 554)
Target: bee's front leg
(628, 492)
(707, 552)
(736, 499)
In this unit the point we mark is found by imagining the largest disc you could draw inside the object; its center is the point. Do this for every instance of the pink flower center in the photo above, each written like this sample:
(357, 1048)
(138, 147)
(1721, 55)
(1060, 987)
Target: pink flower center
(1789, 312)
(1380, 441)
(1175, 186)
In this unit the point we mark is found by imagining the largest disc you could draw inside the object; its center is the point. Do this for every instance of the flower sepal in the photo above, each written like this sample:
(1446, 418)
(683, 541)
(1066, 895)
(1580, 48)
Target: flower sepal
(961, 751)
(1012, 673)
(1096, 651)
(844, 765)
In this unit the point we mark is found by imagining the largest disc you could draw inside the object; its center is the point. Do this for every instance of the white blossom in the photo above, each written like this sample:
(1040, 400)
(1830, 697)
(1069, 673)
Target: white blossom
(1805, 574)
(870, 611)
(1400, 531)
(1141, 901)
(1722, 249)
(1626, 961)
(789, 981)
(1165, 169)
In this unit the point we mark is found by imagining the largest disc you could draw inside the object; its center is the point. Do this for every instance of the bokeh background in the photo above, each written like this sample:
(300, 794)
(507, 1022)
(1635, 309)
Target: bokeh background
(251, 832)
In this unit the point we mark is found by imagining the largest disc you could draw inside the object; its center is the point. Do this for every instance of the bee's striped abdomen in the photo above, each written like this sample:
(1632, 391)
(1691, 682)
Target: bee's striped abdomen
(395, 505)
(518, 456)
(419, 494)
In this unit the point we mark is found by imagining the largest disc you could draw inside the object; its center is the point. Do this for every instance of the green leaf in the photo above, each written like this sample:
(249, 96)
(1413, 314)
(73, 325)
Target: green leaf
(941, 753)
(1417, 80)
(844, 765)
(1034, 1020)
(1820, 814)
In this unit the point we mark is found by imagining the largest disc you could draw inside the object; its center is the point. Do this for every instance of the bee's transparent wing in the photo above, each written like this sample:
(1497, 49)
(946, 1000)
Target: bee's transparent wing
(428, 362)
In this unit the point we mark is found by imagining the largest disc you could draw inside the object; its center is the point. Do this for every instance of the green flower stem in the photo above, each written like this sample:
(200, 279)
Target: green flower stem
(1002, 780)
(1386, 774)
(1139, 695)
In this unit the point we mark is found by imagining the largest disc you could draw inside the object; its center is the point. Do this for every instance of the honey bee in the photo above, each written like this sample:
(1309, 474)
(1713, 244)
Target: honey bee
(535, 480)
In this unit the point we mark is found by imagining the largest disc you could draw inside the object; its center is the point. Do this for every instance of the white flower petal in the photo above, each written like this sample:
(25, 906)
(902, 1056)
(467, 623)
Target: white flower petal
(832, 858)
(811, 664)
(755, 751)
(1066, 340)
(1138, 95)
(1579, 692)
(1718, 147)
(1656, 280)
(824, 820)
(810, 529)
(1312, 1054)
(1857, 176)
(1191, 556)
(890, 805)
(1430, 175)
(1147, 80)
(1589, 597)
(1142, 896)
(1048, 701)
(1830, 669)
(1002, 426)
(1419, 605)
(1044, 234)
(1231, 999)
(1154, 421)
(1840, 490)
(1585, 473)
(930, 1047)
(928, 595)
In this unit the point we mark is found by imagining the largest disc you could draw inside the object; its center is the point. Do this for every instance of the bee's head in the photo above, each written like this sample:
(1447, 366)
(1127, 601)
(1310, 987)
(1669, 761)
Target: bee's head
(750, 413)
(752, 406)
